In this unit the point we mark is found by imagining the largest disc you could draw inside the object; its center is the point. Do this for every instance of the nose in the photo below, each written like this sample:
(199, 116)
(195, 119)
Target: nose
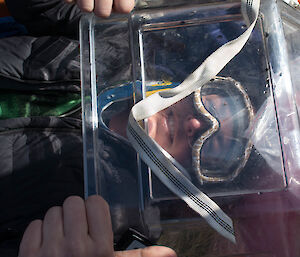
(192, 126)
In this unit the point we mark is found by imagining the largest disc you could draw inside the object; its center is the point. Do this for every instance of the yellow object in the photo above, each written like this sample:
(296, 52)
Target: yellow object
(161, 84)
(148, 93)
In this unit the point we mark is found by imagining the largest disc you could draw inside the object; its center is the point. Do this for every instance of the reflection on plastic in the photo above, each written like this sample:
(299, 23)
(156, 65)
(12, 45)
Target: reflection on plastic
(264, 135)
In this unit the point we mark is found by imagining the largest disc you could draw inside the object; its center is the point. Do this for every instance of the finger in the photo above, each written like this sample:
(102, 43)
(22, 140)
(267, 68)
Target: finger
(32, 239)
(53, 226)
(86, 5)
(74, 218)
(99, 221)
(70, 1)
(103, 8)
(152, 251)
(123, 6)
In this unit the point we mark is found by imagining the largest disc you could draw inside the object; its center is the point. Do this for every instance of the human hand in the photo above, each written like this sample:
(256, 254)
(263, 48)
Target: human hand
(103, 8)
(78, 229)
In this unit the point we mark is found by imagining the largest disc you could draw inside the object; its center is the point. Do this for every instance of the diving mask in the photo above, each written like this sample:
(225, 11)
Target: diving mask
(205, 133)
(220, 153)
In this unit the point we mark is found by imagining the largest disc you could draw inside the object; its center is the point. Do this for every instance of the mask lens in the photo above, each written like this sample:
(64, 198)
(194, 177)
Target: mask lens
(224, 149)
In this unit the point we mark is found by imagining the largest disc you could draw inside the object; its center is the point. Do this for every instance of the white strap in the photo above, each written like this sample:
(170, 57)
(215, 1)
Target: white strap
(150, 151)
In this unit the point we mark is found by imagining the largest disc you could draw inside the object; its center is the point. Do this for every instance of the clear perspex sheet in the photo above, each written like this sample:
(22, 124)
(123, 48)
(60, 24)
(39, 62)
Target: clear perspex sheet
(249, 164)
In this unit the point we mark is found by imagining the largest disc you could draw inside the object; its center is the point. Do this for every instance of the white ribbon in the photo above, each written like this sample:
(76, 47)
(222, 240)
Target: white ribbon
(150, 151)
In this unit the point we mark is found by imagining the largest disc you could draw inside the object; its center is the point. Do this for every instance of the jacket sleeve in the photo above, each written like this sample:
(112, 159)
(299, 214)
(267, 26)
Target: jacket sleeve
(46, 17)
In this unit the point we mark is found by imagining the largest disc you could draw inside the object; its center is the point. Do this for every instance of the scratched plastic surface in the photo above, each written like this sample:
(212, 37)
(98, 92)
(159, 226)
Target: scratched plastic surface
(124, 60)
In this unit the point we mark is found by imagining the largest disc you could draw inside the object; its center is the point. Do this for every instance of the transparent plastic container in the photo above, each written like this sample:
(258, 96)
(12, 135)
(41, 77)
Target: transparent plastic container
(128, 57)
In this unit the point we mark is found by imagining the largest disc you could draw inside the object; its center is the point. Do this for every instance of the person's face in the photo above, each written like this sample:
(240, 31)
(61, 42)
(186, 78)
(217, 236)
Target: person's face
(174, 129)
(177, 127)
(220, 109)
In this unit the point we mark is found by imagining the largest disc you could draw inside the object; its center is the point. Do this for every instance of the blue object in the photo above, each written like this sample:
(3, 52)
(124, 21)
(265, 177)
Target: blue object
(9, 27)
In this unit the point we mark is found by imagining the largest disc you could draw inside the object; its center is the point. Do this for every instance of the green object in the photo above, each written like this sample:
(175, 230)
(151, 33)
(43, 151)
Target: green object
(14, 104)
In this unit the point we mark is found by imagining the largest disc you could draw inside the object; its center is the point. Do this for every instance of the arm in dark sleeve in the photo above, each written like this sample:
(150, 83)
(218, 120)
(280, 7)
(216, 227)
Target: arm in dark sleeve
(46, 17)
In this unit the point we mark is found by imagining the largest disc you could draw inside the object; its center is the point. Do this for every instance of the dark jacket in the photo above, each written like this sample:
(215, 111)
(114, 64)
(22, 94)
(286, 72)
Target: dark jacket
(39, 167)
